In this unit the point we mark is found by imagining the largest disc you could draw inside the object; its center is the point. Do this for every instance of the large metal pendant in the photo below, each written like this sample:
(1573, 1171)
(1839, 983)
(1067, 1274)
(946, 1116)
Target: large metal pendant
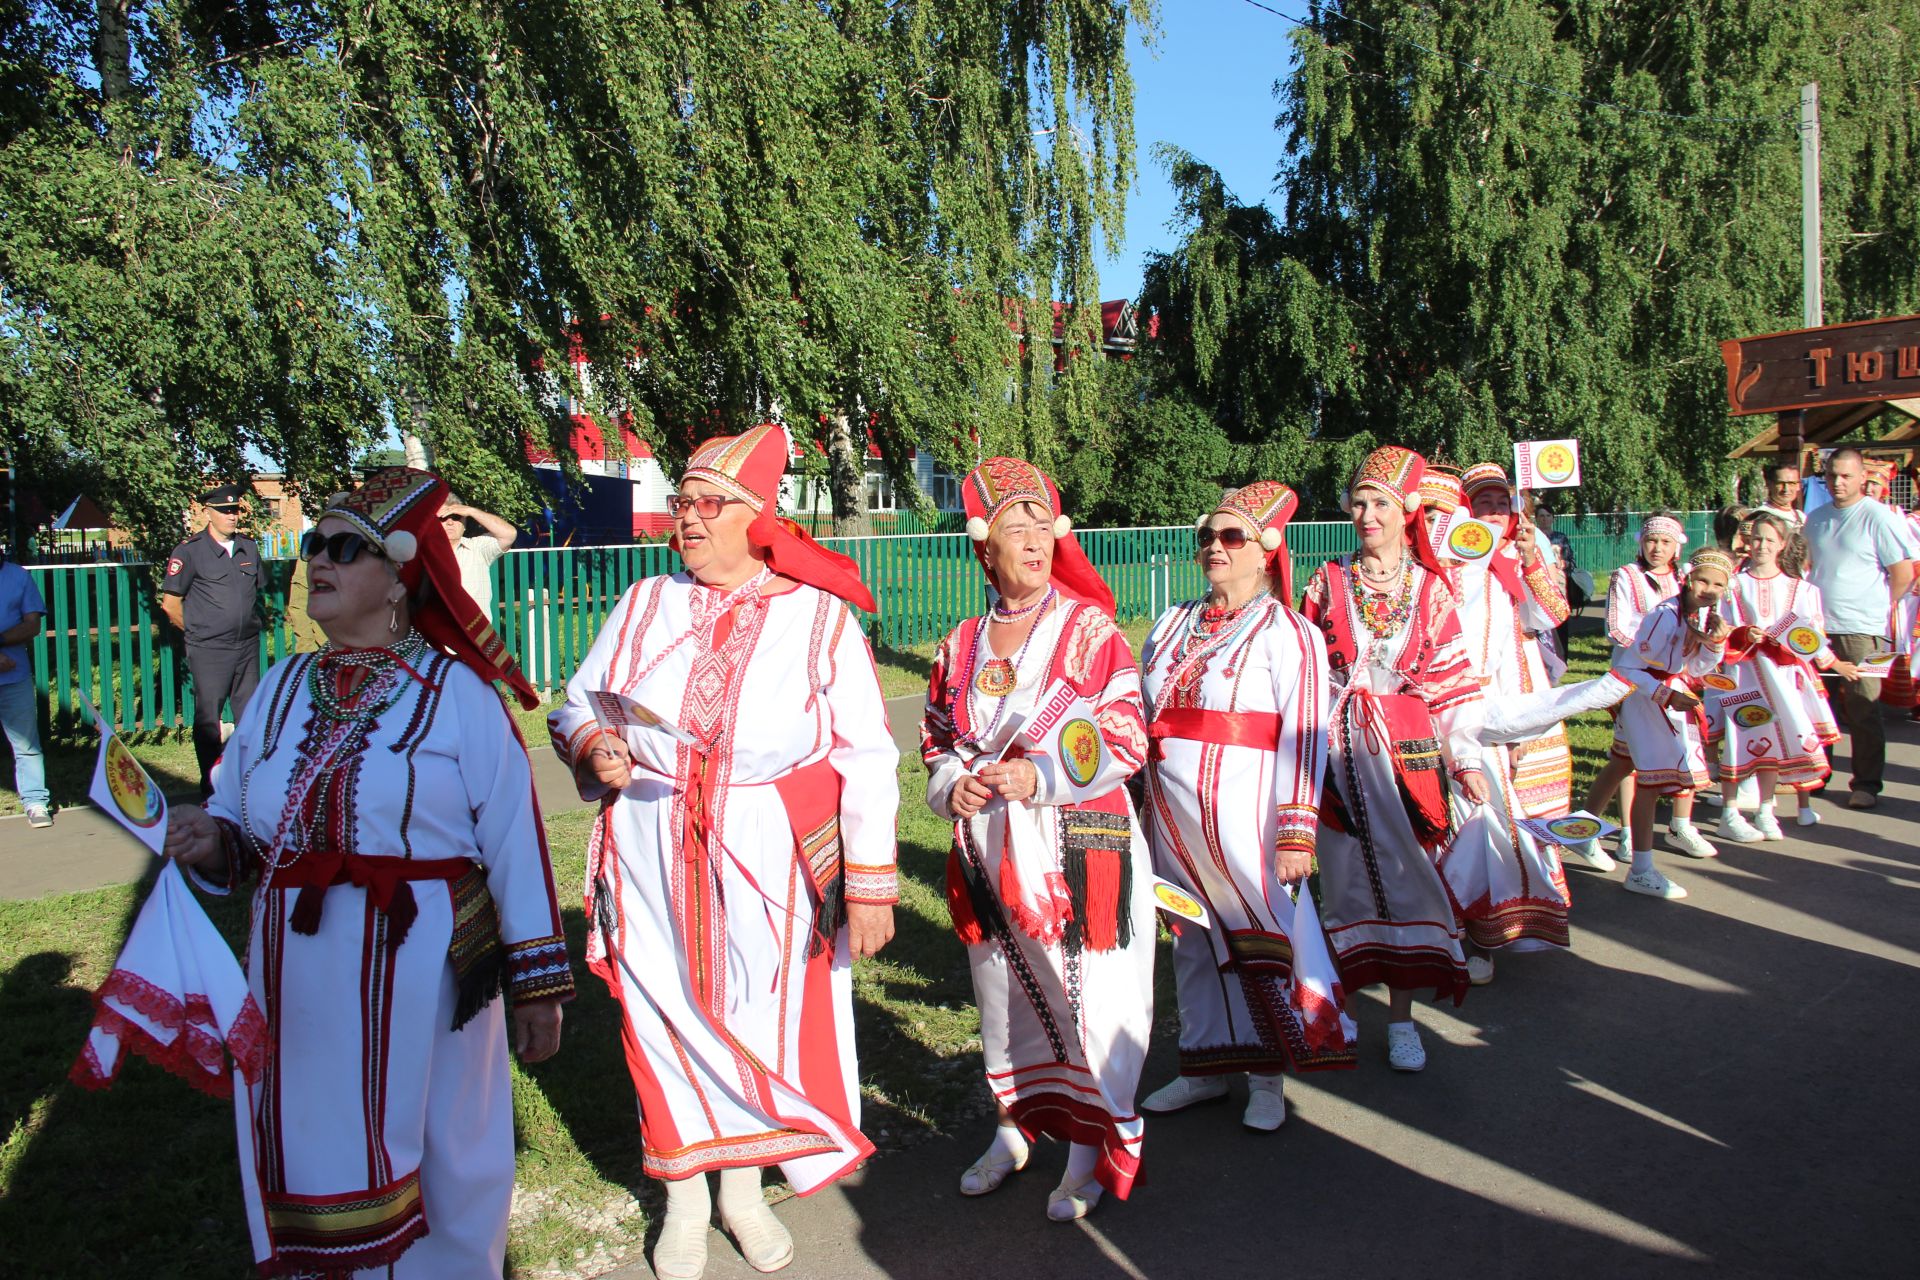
(997, 678)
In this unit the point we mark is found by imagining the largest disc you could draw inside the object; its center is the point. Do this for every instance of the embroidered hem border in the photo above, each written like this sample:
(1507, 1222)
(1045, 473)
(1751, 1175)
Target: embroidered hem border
(747, 1151)
(344, 1233)
(1521, 918)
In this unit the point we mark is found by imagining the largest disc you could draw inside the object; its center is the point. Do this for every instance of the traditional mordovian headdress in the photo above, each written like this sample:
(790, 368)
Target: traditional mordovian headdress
(1398, 472)
(1266, 506)
(1667, 525)
(999, 484)
(1881, 471)
(1442, 493)
(397, 508)
(1713, 558)
(749, 467)
(1484, 475)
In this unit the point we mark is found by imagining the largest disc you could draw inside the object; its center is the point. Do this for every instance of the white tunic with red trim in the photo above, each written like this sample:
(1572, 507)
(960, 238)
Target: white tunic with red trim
(1667, 745)
(379, 1134)
(1238, 721)
(702, 895)
(1779, 717)
(1405, 704)
(1631, 592)
(1064, 1019)
(1508, 884)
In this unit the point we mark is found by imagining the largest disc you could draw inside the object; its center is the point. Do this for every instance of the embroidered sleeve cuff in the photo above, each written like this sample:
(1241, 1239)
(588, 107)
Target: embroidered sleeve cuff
(877, 885)
(539, 970)
(1545, 592)
(1298, 829)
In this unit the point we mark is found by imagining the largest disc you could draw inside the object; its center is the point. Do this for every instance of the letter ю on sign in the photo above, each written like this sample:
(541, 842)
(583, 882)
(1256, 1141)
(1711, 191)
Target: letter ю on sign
(1866, 366)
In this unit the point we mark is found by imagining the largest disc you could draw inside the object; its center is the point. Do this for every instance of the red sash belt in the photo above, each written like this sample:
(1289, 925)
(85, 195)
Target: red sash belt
(384, 878)
(1260, 729)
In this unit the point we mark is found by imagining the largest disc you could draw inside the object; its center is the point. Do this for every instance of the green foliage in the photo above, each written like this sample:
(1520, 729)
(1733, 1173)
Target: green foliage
(1467, 260)
(292, 227)
(1157, 457)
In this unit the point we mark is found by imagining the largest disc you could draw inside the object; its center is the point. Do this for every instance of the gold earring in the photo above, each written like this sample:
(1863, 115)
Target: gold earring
(393, 617)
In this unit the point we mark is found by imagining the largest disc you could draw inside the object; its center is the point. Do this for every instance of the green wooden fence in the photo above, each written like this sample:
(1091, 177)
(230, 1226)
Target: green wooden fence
(105, 635)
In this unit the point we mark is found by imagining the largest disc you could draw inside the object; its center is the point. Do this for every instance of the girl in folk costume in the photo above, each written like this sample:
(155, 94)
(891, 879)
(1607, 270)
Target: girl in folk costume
(1679, 641)
(744, 853)
(1405, 713)
(1777, 722)
(1049, 878)
(379, 791)
(1236, 686)
(1632, 591)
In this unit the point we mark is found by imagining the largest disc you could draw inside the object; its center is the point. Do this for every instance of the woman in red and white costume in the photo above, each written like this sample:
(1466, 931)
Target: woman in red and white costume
(1777, 722)
(380, 793)
(1633, 590)
(1406, 714)
(1236, 690)
(743, 861)
(1049, 880)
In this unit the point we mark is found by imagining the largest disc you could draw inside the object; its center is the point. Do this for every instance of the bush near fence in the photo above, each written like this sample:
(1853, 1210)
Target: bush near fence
(105, 635)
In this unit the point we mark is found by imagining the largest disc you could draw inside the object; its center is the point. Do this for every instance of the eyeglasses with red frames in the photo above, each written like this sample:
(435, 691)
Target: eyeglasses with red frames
(1232, 537)
(706, 506)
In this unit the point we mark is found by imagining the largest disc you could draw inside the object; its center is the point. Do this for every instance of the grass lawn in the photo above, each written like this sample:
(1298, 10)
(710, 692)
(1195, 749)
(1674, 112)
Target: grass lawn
(139, 1181)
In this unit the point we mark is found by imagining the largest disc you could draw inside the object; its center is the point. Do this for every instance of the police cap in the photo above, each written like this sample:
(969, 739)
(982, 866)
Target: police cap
(226, 495)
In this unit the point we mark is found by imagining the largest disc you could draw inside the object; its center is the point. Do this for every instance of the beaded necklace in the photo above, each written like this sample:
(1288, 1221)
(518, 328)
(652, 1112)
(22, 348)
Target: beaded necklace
(999, 677)
(1005, 615)
(1385, 612)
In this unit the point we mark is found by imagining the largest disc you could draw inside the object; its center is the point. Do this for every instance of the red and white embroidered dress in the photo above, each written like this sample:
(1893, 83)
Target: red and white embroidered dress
(1667, 745)
(1238, 720)
(1779, 717)
(379, 1134)
(1397, 698)
(708, 875)
(1064, 1018)
(1509, 885)
(1631, 592)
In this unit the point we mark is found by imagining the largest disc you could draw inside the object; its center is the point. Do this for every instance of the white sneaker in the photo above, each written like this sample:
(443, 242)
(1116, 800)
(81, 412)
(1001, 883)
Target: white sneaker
(1735, 827)
(1479, 970)
(1654, 885)
(1689, 841)
(1768, 825)
(1184, 1092)
(38, 815)
(1266, 1104)
(1808, 817)
(1589, 853)
(1404, 1050)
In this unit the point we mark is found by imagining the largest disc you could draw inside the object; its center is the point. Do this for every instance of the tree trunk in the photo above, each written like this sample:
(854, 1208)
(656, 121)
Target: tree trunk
(112, 51)
(846, 480)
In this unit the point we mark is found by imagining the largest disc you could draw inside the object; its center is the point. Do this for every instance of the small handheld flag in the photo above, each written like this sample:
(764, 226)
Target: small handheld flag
(124, 789)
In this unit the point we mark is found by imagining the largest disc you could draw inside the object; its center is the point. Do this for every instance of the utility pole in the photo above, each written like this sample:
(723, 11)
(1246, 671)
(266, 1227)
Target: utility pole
(1813, 306)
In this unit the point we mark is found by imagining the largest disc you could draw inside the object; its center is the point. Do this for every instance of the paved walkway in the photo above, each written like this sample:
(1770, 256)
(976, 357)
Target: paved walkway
(1711, 1087)
(84, 849)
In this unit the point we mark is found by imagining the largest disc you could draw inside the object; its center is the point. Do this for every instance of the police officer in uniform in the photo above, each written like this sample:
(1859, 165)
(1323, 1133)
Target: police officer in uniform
(212, 592)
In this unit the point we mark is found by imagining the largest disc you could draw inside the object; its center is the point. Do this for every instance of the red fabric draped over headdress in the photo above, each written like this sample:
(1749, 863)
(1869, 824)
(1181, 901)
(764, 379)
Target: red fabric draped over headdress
(399, 509)
(749, 467)
(999, 484)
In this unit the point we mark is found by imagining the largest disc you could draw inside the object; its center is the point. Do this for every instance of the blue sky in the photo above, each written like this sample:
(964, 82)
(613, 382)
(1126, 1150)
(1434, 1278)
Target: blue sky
(1207, 87)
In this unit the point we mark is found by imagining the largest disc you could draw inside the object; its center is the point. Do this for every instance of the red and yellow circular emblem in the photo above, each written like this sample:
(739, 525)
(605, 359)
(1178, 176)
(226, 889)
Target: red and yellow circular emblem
(1554, 464)
(1804, 641)
(1574, 827)
(1470, 540)
(1752, 716)
(1719, 680)
(139, 799)
(1175, 900)
(1080, 750)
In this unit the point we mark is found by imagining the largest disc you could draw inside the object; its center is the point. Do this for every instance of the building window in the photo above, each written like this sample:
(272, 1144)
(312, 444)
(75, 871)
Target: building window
(879, 491)
(946, 489)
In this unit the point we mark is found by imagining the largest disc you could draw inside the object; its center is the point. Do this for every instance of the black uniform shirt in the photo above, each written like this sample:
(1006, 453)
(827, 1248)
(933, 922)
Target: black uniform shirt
(220, 592)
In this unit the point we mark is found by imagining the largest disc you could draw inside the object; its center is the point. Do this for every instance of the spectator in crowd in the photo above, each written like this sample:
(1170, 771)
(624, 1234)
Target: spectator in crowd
(1862, 556)
(21, 610)
(477, 553)
(1783, 493)
(212, 593)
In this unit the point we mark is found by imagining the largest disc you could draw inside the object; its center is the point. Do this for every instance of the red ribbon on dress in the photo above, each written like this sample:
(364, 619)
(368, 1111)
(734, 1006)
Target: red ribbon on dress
(1258, 729)
(386, 880)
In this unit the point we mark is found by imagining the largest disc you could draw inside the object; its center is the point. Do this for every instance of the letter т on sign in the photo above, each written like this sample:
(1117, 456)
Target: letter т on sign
(1835, 364)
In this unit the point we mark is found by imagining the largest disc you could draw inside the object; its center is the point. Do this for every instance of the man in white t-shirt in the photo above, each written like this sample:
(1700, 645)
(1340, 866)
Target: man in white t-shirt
(476, 554)
(1862, 557)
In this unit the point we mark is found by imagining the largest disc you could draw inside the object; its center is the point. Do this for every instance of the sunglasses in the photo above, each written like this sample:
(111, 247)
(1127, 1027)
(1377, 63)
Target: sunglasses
(707, 507)
(341, 548)
(1231, 537)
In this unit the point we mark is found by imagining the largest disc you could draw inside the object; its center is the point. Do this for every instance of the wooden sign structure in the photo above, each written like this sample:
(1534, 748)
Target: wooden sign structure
(1836, 364)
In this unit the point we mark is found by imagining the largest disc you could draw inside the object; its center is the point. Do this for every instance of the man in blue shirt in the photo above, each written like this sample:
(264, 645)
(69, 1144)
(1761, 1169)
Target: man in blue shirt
(1862, 557)
(21, 610)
